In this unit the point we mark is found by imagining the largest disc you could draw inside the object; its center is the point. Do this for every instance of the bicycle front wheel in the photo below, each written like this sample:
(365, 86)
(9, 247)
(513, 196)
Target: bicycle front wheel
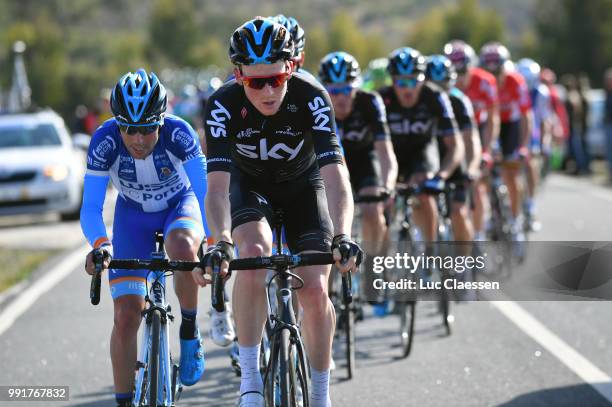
(154, 357)
(349, 331)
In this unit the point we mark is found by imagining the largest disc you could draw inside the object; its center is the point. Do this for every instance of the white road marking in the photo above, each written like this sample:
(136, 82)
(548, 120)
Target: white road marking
(577, 363)
(29, 296)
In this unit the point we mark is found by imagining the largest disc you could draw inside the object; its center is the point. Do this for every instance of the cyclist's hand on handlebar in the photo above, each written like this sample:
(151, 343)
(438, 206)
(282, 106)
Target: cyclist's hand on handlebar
(347, 253)
(217, 256)
(435, 184)
(103, 254)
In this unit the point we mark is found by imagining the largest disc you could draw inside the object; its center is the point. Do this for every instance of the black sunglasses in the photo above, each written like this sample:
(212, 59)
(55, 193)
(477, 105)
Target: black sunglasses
(131, 130)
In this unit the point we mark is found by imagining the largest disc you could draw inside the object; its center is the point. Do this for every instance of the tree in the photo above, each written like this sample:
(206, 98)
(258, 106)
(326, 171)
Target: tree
(45, 59)
(465, 21)
(575, 36)
(173, 30)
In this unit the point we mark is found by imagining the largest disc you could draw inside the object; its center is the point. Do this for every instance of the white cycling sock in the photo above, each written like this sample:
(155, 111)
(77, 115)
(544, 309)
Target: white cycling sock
(250, 379)
(320, 388)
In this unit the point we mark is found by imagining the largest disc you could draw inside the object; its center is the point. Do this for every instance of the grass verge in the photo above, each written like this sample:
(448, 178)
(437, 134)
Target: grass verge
(17, 265)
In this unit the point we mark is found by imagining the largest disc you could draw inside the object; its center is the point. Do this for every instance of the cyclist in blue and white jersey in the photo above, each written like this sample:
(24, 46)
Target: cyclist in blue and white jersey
(541, 131)
(156, 163)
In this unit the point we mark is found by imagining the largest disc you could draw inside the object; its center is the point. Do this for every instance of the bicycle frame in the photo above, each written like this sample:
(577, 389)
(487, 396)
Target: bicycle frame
(156, 301)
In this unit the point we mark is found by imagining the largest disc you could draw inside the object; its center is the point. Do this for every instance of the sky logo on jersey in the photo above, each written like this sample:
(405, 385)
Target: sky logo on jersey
(406, 127)
(355, 135)
(219, 116)
(319, 110)
(265, 154)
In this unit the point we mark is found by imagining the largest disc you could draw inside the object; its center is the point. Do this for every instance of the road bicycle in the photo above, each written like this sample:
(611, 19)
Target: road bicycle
(157, 382)
(286, 378)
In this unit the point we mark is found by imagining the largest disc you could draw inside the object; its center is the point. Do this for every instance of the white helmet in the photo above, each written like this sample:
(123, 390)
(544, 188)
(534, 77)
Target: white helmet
(530, 70)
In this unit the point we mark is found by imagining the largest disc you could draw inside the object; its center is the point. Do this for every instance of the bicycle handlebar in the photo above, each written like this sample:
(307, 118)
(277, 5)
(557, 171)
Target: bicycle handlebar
(282, 260)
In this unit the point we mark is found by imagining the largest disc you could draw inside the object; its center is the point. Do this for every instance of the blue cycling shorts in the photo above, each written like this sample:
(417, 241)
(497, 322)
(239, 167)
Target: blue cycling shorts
(134, 238)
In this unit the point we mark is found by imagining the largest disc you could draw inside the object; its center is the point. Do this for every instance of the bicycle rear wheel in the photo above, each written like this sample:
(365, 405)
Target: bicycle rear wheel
(445, 303)
(406, 312)
(154, 357)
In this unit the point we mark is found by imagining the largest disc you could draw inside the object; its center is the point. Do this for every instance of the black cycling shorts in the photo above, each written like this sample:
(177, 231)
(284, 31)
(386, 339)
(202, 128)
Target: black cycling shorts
(418, 160)
(510, 138)
(364, 170)
(306, 219)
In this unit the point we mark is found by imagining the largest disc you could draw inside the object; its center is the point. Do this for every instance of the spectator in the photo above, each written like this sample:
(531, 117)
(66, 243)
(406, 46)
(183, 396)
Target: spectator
(608, 119)
(576, 110)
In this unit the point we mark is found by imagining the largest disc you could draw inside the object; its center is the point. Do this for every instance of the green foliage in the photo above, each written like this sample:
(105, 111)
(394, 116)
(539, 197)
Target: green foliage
(466, 20)
(575, 36)
(344, 34)
(45, 58)
(173, 30)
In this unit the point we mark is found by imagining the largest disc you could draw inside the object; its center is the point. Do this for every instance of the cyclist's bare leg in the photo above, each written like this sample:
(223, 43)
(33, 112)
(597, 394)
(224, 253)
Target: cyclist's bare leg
(512, 180)
(374, 229)
(533, 175)
(319, 317)
(426, 210)
(463, 230)
(249, 297)
(481, 205)
(183, 244)
(124, 338)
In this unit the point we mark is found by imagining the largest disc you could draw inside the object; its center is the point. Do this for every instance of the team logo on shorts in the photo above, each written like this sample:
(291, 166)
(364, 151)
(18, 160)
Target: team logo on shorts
(243, 112)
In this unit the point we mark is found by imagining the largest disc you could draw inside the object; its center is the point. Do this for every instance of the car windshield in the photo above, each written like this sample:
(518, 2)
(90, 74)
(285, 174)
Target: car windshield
(41, 135)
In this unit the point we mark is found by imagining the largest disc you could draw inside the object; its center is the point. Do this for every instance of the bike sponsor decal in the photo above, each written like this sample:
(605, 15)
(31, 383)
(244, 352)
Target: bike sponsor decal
(183, 139)
(104, 148)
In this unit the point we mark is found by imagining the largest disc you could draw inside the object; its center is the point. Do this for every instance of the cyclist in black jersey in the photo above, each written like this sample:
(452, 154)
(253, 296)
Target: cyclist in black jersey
(417, 113)
(271, 144)
(440, 71)
(362, 126)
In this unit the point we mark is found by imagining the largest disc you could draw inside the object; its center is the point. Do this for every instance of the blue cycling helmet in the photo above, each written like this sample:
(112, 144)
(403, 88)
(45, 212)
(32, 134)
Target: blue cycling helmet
(530, 70)
(139, 99)
(440, 69)
(407, 61)
(493, 57)
(260, 41)
(297, 33)
(339, 67)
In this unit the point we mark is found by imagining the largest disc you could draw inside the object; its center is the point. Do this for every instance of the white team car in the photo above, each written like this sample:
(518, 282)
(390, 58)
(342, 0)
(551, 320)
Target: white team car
(41, 168)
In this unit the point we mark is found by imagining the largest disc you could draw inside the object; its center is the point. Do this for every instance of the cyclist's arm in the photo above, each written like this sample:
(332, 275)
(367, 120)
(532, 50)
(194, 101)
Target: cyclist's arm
(330, 160)
(339, 197)
(467, 124)
(524, 101)
(473, 149)
(196, 172)
(92, 221)
(388, 163)
(219, 164)
(218, 206)
(493, 123)
(382, 143)
(450, 136)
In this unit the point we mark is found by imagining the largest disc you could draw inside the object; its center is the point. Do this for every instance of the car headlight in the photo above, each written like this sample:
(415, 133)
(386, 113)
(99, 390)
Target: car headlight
(56, 172)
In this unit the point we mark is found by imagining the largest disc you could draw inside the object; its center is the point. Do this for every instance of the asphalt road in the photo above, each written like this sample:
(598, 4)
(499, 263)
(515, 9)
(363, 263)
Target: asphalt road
(487, 361)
